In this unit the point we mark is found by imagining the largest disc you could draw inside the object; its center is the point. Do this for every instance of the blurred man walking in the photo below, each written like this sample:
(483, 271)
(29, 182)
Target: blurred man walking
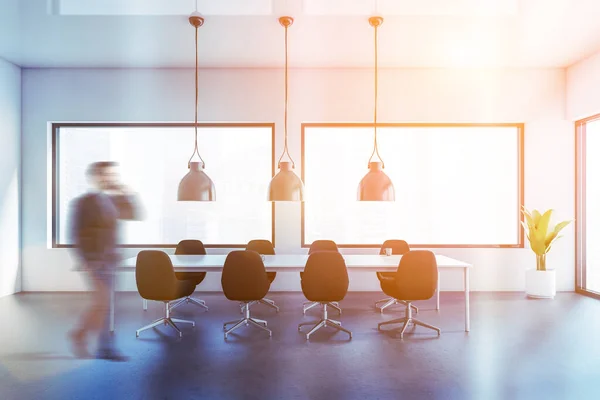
(95, 235)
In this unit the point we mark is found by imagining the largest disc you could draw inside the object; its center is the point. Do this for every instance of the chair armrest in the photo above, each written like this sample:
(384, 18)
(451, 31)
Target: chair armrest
(386, 276)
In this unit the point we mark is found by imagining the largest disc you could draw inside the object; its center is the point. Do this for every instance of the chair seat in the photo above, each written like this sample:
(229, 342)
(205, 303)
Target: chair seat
(271, 276)
(180, 290)
(390, 287)
(195, 277)
(319, 295)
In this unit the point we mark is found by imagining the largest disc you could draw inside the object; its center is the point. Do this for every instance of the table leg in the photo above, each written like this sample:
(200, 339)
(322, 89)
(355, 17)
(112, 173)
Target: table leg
(467, 315)
(112, 307)
(437, 305)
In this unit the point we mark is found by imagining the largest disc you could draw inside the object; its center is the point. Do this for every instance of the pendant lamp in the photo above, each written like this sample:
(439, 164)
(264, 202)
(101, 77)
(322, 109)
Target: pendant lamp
(286, 185)
(376, 185)
(196, 185)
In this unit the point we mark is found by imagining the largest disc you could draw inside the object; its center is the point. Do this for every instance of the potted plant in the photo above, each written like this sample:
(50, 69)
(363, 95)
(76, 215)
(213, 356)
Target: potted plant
(540, 282)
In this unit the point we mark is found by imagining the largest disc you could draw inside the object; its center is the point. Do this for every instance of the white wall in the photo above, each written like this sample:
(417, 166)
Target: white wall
(10, 180)
(583, 80)
(536, 97)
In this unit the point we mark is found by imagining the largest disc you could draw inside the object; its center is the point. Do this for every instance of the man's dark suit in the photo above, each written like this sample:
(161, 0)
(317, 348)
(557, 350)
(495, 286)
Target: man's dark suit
(95, 236)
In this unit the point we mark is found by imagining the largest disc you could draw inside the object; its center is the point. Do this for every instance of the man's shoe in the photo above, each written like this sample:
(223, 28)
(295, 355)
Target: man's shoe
(111, 355)
(78, 344)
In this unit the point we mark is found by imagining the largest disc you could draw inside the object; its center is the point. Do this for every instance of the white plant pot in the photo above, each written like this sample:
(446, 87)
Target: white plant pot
(540, 284)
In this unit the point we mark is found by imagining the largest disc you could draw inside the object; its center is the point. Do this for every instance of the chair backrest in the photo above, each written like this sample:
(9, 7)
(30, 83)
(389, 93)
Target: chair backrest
(325, 277)
(244, 277)
(154, 275)
(190, 247)
(397, 246)
(261, 246)
(322, 245)
(417, 275)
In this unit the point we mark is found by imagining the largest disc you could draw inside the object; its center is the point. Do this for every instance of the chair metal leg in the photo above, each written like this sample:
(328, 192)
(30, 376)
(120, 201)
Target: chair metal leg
(269, 303)
(336, 306)
(172, 325)
(423, 324)
(237, 321)
(324, 321)
(247, 320)
(149, 326)
(408, 320)
(406, 323)
(389, 302)
(337, 325)
(264, 328)
(183, 321)
(174, 304)
(392, 321)
(315, 328)
(145, 304)
(260, 321)
(167, 320)
(233, 328)
(198, 302)
(382, 300)
(305, 308)
(300, 325)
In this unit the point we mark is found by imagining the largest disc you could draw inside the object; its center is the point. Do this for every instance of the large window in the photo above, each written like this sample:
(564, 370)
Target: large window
(153, 159)
(456, 185)
(588, 206)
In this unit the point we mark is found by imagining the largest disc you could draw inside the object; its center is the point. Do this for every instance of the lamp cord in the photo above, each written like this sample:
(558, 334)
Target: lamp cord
(375, 148)
(285, 113)
(196, 111)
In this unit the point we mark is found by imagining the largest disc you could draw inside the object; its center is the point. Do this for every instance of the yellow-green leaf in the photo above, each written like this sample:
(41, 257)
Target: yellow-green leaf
(526, 229)
(542, 225)
(528, 218)
(560, 226)
(538, 244)
(536, 217)
(550, 237)
(551, 243)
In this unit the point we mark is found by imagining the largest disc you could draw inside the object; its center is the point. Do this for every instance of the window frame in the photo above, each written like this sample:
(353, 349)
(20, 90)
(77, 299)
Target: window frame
(580, 207)
(521, 177)
(55, 127)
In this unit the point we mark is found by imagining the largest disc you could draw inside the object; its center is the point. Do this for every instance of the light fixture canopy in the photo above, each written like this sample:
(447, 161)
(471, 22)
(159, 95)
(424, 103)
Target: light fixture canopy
(286, 185)
(196, 185)
(376, 185)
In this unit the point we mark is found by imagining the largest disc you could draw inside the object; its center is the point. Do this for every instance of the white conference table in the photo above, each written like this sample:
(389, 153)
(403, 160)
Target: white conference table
(296, 263)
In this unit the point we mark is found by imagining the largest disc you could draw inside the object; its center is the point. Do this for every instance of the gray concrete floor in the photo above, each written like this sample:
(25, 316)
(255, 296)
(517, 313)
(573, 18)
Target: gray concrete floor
(517, 349)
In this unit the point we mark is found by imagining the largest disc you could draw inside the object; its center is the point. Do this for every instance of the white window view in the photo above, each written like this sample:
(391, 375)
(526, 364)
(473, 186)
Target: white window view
(592, 208)
(153, 159)
(455, 185)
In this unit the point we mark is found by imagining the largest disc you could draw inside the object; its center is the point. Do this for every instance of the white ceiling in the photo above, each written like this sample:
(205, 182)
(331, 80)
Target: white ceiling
(326, 33)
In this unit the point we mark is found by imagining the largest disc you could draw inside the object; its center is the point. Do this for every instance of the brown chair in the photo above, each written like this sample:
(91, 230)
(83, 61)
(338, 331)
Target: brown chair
(398, 247)
(264, 247)
(320, 245)
(244, 279)
(325, 280)
(415, 279)
(155, 279)
(191, 247)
